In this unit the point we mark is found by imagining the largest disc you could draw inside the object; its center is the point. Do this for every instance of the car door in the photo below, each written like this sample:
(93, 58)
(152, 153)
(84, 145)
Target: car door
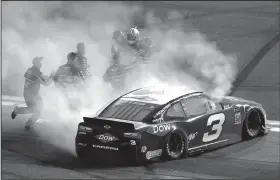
(231, 117)
(205, 121)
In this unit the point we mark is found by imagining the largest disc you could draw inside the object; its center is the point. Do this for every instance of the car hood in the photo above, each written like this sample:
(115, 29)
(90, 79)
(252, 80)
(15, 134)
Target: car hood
(238, 100)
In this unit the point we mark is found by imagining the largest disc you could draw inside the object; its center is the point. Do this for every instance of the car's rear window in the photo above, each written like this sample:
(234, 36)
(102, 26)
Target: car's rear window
(128, 110)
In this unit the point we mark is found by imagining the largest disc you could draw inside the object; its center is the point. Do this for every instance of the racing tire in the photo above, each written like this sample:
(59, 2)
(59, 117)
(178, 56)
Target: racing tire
(252, 125)
(83, 156)
(143, 163)
(175, 146)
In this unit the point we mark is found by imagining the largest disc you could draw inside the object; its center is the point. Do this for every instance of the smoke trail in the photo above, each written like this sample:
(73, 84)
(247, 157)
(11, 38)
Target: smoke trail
(52, 30)
(184, 57)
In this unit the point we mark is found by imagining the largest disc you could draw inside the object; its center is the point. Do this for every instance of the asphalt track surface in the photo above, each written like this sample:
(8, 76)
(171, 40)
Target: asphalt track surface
(25, 155)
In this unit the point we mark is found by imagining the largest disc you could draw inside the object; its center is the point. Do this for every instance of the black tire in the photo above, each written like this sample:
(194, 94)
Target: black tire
(143, 163)
(174, 147)
(252, 125)
(83, 156)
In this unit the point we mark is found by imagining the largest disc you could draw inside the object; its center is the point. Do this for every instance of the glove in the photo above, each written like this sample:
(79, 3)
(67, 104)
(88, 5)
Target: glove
(52, 74)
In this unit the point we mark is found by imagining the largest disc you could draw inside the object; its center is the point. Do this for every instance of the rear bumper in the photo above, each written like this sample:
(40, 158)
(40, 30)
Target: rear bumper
(125, 152)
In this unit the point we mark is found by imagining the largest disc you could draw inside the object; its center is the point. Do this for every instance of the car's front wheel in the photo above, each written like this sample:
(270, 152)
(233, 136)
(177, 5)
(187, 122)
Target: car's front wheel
(174, 146)
(252, 125)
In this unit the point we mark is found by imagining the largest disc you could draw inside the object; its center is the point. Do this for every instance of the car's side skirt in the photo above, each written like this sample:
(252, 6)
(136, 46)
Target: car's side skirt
(202, 147)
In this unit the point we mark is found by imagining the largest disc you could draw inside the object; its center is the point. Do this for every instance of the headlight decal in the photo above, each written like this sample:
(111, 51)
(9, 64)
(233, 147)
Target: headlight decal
(132, 135)
(85, 128)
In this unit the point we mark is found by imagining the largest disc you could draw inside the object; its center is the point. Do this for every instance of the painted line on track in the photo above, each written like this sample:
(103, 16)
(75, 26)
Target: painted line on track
(275, 129)
(7, 103)
(14, 98)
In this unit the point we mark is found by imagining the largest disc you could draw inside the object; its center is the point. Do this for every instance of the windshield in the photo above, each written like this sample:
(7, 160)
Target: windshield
(128, 110)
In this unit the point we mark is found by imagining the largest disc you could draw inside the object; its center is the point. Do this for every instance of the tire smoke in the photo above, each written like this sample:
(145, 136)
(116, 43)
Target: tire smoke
(183, 56)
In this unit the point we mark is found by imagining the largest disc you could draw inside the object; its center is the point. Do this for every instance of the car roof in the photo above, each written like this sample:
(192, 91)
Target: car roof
(158, 95)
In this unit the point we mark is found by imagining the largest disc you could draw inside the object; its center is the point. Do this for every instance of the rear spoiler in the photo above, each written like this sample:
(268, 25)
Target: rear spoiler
(116, 124)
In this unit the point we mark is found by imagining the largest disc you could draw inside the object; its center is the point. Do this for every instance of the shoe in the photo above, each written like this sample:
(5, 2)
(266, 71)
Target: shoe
(29, 124)
(27, 127)
(14, 113)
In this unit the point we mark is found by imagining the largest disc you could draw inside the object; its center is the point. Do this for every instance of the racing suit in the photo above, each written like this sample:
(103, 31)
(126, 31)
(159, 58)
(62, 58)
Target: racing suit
(33, 100)
(68, 79)
(66, 75)
(116, 73)
(82, 65)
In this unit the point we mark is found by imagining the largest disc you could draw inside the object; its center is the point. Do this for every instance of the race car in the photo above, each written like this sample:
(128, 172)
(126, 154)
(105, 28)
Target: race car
(150, 124)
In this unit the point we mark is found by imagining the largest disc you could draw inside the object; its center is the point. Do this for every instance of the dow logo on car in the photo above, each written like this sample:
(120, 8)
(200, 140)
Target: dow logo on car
(106, 138)
(162, 128)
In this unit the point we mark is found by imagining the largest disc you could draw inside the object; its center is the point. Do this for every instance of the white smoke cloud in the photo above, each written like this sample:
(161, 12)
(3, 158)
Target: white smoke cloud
(184, 56)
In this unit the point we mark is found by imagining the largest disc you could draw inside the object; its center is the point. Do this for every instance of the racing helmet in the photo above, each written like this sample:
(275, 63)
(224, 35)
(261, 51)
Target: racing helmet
(132, 35)
(71, 56)
(81, 47)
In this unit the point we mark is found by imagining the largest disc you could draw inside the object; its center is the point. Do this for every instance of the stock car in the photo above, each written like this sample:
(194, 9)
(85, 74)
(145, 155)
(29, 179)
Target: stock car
(150, 124)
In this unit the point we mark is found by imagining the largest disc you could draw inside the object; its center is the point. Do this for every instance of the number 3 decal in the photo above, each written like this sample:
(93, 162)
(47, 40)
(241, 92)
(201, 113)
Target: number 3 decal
(217, 127)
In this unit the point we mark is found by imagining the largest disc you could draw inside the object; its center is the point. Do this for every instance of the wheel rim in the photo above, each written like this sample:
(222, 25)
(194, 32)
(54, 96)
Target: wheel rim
(175, 144)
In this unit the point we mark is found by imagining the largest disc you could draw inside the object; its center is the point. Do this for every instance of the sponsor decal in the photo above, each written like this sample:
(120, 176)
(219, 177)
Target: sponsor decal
(131, 134)
(237, 118)
(158, 120)
(134, 135)
(107, 127)
(82, 132)
(236, 109)
(133, 142)
(227, 106)
(84, 128)
(144, 149)
(246, 107)
(192, 136)
(105, 147)
(106, 138)
(162, 110)
(161, 128)
(82, 144)
(152, 154)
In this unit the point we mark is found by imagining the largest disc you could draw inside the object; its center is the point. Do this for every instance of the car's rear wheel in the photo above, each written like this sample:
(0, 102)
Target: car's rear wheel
(252, 125)
(174, 146)
(82, 155)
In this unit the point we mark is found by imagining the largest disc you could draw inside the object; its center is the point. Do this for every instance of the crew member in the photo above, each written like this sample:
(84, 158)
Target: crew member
(81, 60)
(116, 73)
(68, 74)
(129, 40)
(33, 80)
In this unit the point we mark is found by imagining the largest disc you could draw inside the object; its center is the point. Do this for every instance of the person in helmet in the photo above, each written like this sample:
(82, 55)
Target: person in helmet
(82, 64)
(69, 80)
(133, 37)
(128, 40)
(33, 80)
